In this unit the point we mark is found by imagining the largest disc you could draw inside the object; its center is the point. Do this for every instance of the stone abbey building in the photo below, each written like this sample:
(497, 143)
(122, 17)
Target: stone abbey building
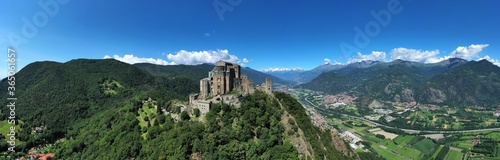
(226, 84)
(223, 79)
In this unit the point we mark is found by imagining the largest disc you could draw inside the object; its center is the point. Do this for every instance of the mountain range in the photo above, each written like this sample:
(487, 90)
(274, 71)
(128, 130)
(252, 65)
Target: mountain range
(452, 82)
(303, 76)
(197, 72)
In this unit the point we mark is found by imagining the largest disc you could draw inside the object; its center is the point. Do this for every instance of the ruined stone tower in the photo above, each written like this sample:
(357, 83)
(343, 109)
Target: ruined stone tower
(267, 86)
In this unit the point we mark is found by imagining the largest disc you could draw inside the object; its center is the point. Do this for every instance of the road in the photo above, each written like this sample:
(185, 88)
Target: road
(403, 129)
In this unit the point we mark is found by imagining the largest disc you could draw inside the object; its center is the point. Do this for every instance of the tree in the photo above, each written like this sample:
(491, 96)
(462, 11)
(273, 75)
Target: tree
(380, 136)
(161, 118)
(153, 131)
(185, 116)
(196, 112)
(177, 109)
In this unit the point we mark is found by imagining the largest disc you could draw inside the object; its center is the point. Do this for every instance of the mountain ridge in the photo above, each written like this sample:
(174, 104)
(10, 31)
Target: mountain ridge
(414, 81)
(197, 72)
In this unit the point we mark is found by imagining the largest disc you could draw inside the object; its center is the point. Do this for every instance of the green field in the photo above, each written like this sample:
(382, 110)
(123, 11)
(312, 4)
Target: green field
(372, 138)
(464, 144)
(111, 86)
(410, 153)
(498, 150)
(387, 154)
(495, 135)
(147, 111)
(414, 147)
(425, 146)
(5, 129)
(454, 155)
(486, 158)
(389, 144)
(403, 140)
(437, 151)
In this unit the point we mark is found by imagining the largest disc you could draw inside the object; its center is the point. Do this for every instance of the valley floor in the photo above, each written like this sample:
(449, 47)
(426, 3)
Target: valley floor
(366, 135)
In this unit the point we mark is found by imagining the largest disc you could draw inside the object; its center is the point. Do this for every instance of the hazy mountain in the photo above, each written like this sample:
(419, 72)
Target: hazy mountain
(197, 72)
(311, 74)
(453, 81)
(286, 74)
(302, 76)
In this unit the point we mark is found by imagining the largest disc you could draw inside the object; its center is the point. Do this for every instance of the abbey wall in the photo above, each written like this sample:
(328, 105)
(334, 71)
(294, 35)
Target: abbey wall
(225, 84)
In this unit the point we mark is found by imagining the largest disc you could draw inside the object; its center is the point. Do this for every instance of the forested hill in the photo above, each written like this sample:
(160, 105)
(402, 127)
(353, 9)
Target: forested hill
(94, 109)
(55, 95)
(193, 72)
(259, 129)
(50, 91)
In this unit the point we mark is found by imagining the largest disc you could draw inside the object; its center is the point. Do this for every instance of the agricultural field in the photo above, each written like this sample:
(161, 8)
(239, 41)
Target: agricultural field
(437, 151)
(454, 155)
(443, 118)
(5, 129)
(404, 146)
(400, 147)
(414, 145)
(410, 153)
(387, 135)
(403, 140)
(387, 154)
(425, 146)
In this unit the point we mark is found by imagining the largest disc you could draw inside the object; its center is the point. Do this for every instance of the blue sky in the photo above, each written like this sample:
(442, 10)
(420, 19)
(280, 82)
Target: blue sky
(255, 33)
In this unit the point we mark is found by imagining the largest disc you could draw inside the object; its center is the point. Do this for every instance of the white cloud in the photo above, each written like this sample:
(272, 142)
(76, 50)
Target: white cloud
(436, 59)
(426, 56)
(185, 57)
(282, 69)
(199, 57)
(374, 56)
(469, 52)
(206, 34)
(131, 59)
(245, 60)
(494, 61)
(415, 55)
(327, 61)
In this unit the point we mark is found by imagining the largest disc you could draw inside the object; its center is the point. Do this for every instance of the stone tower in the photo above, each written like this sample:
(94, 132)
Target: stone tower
(225, 77)
(204, 88)
(268, 86)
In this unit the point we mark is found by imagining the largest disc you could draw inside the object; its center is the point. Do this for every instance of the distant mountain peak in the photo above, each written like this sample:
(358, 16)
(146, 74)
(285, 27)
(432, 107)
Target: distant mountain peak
(363, 64)
(484, 61)
(282, 69)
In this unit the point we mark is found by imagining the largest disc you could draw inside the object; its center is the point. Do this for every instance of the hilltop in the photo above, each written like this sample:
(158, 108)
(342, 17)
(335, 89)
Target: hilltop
(97, 109)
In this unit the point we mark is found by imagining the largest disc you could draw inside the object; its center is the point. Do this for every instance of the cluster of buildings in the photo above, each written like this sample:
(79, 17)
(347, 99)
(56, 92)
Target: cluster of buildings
(225, 84)
(351, 138)
(342, 98)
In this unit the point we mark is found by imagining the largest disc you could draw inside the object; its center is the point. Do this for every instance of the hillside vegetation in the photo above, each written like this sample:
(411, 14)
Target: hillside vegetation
(89, 109)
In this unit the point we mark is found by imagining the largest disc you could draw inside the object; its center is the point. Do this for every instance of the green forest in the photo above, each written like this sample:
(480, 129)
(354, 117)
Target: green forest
(88, 109)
